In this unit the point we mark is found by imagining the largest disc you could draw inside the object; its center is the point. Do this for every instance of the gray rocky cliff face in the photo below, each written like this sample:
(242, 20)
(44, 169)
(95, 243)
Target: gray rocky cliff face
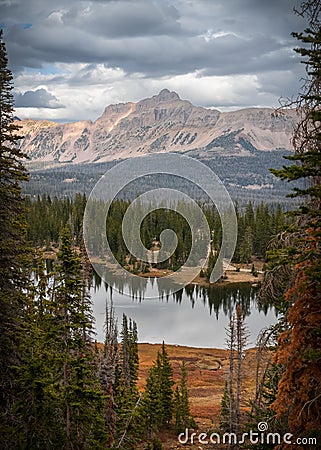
(162, 123)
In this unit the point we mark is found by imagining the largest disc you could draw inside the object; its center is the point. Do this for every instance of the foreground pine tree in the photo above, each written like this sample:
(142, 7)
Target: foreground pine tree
(152, 403)
(182, 414)
(225, 410)
(298, 398)
(165, 371)
(13, 251)
(107, 372)
(83, 407)
(158, 399)
(36, 420)
(126, 395)
(60, 403)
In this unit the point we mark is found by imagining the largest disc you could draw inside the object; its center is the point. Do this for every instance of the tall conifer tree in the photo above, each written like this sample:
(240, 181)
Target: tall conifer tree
(107, 371)
(183, 418)
(166, 384)
(13, 251)
(126, 393)
(158, 400)
(83, 407)
(299, 392)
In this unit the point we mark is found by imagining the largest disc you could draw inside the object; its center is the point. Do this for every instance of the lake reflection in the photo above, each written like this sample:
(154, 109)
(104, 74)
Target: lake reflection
(195, 316)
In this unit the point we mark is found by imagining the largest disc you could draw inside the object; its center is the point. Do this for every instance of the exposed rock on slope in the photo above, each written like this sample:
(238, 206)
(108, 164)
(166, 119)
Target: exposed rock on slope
(163, 123)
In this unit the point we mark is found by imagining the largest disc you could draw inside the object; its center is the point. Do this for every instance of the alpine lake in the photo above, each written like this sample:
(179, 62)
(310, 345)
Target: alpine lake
(195, 316)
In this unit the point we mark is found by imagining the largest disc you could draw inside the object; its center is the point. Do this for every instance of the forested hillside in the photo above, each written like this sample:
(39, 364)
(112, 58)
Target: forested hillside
(246, 179)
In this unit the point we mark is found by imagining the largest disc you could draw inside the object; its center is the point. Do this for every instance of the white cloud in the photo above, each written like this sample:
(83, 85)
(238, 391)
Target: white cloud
(40, 98)
(89, 54)
(85, 91)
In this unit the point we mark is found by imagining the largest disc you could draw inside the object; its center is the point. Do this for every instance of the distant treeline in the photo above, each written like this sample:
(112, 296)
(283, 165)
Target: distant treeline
(246, 179)
(256, 225)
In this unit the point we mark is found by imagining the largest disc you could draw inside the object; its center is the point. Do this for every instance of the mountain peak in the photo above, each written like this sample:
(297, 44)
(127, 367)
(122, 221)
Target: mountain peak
(166, 94)
(161, 123)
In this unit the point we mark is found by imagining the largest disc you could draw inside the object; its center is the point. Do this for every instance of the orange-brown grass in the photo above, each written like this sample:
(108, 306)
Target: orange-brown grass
(205, 379)
(208, 370)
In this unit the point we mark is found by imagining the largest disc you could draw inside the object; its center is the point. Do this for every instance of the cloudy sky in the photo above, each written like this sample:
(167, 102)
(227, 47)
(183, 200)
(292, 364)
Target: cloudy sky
(71, 58)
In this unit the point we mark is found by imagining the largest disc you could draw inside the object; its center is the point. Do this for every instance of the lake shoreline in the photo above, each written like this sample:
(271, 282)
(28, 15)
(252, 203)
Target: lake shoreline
(234, 274)
(230, 277)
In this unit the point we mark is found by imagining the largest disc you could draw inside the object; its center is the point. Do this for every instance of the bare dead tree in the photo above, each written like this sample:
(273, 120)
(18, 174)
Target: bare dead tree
(107, 369)
(236, 341)
(241, 341)
(265, 341)
(280, 273)
(230, 341)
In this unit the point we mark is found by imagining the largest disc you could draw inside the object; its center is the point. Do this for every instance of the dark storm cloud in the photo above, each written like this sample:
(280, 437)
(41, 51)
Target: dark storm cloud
(123, 19)
(221, 53)
(40, 98)
(155, 38)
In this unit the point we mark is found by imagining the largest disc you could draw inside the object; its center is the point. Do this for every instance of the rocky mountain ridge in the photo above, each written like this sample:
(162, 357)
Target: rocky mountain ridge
(162, 123)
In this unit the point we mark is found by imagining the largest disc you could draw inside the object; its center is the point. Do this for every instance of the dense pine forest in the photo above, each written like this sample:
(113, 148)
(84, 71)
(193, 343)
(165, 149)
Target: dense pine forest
(59, 389)
(236, 173)
(256, 225)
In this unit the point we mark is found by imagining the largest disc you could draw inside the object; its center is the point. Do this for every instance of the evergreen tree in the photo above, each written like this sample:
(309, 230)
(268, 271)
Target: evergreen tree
(241, 340)
(231, 342)
(126, 395)
(225, 410)
(185, 410)
(246, 249)
(127, 370)
(38, 408)
(249, 217)
(133, 354)
(107, 371)
(82, 400)
(262, 230)
(177, 412)
(47, 216)
(158, 402)
(261, 411)
(299, 392)
(154, 444)
(212, 261)
(294, 278)
(182, 412)
(152, 409)
(13, 250)
(240, 233)
(60, 402)
(125, 354)
(166, 381)
(236, 340)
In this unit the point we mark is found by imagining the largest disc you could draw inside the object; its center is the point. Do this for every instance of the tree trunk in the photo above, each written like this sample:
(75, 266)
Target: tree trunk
(68, 412)
(231, 374)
